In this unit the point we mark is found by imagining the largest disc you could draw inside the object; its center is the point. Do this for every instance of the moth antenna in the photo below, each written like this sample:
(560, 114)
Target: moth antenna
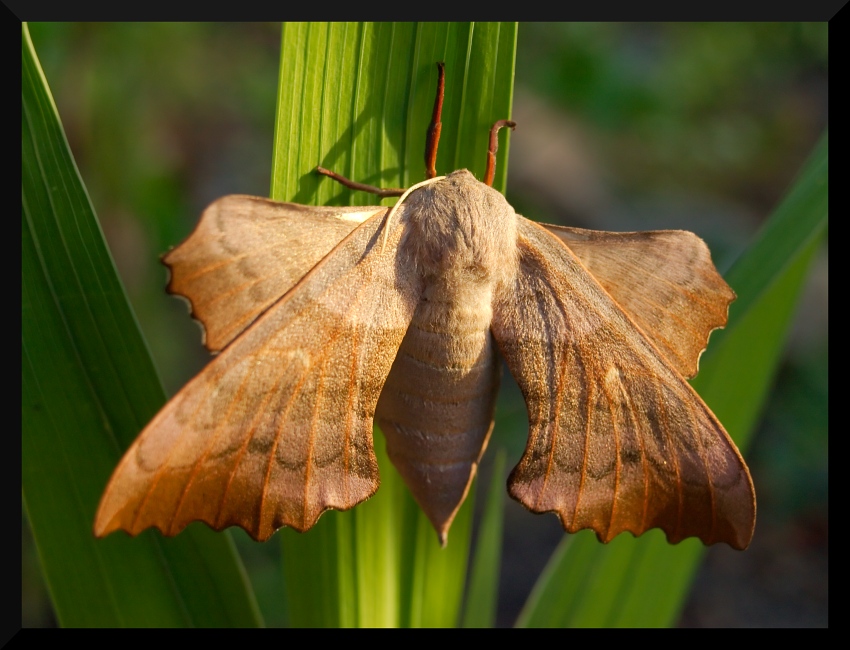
(494, 145)
(354, 185)
(386, 224)
(432, 138)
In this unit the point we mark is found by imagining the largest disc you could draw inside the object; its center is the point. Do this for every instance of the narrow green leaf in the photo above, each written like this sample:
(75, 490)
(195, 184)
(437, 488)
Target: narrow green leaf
(482, 595)
(88, 388)
(768, 279)
(357, 99)
(643, 582)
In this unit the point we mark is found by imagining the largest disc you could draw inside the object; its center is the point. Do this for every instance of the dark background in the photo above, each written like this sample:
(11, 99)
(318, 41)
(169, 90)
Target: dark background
(620, 127)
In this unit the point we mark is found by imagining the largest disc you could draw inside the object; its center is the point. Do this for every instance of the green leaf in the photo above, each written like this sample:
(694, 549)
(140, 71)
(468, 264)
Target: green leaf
(483, 590)
(737, 369)
(643, 582)
(357, 99)
(88, 388)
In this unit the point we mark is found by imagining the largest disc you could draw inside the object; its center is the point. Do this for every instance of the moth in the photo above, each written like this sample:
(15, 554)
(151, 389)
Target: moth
(327, 319)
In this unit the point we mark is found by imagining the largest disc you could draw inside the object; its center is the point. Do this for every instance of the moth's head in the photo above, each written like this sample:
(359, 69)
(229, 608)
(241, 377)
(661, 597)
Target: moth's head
(461, 227)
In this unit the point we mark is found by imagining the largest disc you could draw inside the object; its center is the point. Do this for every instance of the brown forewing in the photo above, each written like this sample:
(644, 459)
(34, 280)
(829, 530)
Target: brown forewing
(664, 280)
(246, 252)
(618, 440)
(278, 427)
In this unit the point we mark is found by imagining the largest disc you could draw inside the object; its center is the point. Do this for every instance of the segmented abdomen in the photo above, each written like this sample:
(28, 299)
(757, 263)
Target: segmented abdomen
(436, 408)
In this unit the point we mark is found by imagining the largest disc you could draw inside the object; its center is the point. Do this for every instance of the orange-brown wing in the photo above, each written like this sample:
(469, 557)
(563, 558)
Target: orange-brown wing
(246, 252)
(278, 427)
(618, 440)
(664, 280)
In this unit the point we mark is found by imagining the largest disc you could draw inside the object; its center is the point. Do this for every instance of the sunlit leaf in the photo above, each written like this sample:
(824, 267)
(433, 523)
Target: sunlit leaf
(357, 99)
(88, 387)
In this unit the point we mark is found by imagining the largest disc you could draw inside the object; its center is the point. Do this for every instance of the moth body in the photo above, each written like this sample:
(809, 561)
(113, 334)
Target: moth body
(436, 408)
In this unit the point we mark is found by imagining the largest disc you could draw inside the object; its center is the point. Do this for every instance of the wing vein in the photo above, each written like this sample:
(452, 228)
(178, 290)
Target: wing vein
(588, 428)
(559, 391)
(199, 462)
(349, 424)
(249, 435)
(159, 472)
(668, 429)
(617, 466)
(281, 423)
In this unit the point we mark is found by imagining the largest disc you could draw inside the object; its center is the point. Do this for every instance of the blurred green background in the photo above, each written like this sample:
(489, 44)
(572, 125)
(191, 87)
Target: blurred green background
(620, 127)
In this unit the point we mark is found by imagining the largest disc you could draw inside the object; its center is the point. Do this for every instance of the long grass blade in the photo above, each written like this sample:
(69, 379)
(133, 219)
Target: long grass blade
(88, 388)
(356, 99)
